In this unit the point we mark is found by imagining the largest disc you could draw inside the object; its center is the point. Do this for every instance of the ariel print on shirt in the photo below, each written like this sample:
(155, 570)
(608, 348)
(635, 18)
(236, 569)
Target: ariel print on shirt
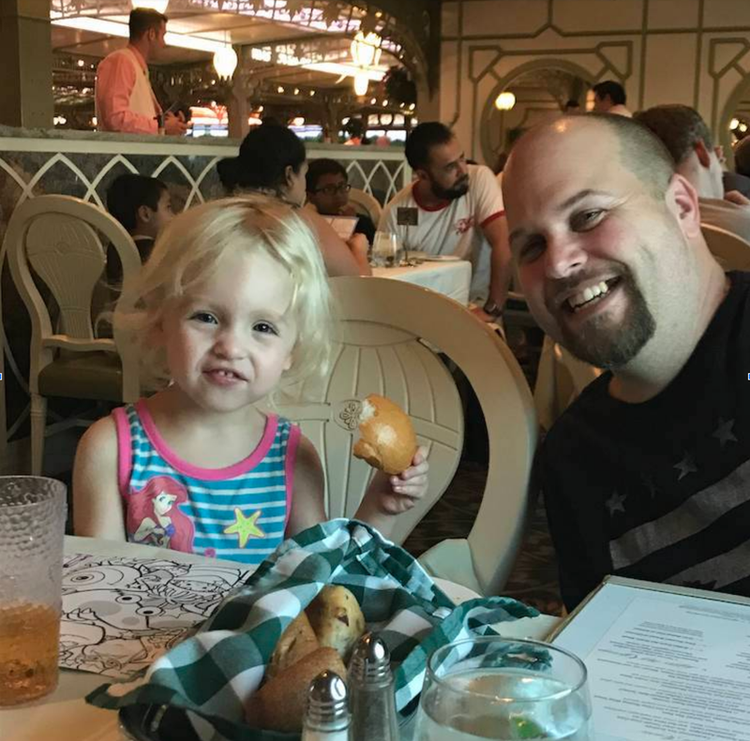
(154, 517)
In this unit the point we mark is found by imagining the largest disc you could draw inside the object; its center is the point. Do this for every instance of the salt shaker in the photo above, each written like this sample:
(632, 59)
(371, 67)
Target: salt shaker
(327, 717)
(371, 692)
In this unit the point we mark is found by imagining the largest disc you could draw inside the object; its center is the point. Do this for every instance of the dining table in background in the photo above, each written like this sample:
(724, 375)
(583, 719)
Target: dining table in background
(64, 715)
(452, 278)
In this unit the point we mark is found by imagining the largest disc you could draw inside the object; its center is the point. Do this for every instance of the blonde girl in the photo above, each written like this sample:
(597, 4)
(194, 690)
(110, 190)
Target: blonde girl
(233, 303)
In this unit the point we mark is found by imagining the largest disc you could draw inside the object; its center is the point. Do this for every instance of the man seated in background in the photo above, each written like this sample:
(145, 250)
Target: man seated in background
(686, 136)
(609, 97)
(459, 210)
(144, 207)
(328, 191)
(647, 474)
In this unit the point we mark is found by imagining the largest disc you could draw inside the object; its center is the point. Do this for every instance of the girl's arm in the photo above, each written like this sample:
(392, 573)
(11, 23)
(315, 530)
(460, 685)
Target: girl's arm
(308, 507)
(389, 496)
(339, 257)
(97, 505)
(386, 496)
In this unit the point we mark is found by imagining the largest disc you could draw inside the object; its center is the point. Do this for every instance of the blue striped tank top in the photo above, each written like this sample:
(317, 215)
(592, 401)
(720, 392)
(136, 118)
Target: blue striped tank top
(238, 512)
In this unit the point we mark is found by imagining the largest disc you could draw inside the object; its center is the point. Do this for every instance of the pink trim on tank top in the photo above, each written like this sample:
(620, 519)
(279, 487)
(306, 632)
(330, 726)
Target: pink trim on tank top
(207, 474)
(124, 449)
(291, 456)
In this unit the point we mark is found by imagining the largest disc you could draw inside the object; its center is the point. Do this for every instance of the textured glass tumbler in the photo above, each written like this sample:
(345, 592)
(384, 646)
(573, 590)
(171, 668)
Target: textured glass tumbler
(32, 526)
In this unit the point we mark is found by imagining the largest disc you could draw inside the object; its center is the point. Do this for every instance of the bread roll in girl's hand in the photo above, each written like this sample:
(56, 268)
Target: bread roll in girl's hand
(387, 437)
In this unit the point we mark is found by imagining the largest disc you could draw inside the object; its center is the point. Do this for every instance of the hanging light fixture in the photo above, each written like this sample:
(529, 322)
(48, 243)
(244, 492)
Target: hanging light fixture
(505, 101)
(361, 82)
(225, 62)
(160, 6)
(366, 49)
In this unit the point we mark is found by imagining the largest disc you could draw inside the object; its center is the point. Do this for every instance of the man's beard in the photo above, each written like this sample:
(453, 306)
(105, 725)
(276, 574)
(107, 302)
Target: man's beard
(604, 345)
(461, 188)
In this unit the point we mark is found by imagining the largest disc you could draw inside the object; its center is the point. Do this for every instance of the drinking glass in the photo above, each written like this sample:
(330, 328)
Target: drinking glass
(32, 526)
(503, 689)
(386, 250)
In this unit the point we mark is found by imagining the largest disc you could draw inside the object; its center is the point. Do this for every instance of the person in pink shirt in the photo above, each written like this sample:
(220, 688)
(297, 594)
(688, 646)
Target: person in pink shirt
(125, 101)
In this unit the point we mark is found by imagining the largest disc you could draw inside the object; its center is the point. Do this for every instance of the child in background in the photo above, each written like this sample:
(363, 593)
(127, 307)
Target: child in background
(233, 303)
(143, 206)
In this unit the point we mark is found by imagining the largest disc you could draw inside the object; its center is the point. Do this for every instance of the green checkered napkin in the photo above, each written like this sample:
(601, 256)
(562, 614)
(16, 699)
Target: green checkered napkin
(210, 673)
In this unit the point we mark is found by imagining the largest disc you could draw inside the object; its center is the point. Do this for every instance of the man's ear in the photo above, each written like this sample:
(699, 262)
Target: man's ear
(289, 175)
(682, 200)
(421, 174)
(702, 153)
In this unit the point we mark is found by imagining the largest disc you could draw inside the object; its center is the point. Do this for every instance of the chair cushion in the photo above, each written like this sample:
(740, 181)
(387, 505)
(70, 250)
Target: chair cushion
(89, 375)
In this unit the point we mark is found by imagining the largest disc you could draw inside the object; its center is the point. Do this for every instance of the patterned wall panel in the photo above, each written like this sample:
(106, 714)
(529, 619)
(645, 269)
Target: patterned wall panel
(689, 51)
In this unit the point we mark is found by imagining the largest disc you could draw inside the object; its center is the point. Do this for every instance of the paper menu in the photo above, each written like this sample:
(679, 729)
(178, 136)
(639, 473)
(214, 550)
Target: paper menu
(664, 666)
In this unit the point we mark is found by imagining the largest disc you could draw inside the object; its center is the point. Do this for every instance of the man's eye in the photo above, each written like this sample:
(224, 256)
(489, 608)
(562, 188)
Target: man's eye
(586, 219)
(265, 328)
(531, 250)
(204, 317)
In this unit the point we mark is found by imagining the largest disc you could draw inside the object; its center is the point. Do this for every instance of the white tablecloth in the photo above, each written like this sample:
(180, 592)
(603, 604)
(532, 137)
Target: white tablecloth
(449, 278)
(64, 715)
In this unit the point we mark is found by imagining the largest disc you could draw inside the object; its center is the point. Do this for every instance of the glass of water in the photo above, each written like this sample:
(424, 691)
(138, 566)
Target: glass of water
(386, 250)
(503, 689)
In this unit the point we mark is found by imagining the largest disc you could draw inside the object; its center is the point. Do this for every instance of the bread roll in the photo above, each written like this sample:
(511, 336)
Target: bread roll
(280, 704)
(387, 437)
(295, 643)
(336, 618)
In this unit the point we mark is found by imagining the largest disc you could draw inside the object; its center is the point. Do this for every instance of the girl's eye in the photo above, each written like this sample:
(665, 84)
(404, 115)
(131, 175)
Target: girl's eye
(204, 317)
(265, 328)
(586, 219)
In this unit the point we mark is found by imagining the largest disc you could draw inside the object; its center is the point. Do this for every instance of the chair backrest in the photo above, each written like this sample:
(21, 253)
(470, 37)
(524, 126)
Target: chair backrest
(385, 329)
(560, 379)
(730, 250)
(58, 238)
(367, 203)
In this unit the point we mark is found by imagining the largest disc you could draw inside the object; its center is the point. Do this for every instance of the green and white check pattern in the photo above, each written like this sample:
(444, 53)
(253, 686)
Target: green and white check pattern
(210, 673)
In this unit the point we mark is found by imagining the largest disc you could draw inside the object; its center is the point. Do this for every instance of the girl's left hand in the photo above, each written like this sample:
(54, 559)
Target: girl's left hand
(405, 490)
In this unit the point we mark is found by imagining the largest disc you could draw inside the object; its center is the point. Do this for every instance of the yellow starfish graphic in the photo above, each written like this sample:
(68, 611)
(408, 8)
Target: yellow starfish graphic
(245, 527)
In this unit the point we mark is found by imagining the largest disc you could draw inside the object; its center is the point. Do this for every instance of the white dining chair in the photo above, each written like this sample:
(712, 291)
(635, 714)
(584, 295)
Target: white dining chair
(55, 239)
(730, 250)
(364, 202)
(388, 331)
(560, 379)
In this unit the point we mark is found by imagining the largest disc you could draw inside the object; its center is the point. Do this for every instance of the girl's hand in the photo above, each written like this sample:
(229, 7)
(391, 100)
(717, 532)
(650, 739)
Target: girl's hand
(402, 492)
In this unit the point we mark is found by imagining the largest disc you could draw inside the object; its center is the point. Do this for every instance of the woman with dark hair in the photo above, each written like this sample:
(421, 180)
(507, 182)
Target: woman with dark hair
(273, 160)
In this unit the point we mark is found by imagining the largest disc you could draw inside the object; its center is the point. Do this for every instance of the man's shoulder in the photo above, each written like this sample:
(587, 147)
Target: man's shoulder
(404, 197)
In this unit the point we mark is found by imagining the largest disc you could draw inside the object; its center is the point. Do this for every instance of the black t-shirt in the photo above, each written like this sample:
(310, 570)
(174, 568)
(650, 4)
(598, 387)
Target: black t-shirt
(365, 226)
(660, 490)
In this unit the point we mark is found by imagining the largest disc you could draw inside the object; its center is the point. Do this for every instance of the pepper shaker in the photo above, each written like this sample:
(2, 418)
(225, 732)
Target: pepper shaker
(327, 717)
(371, 692)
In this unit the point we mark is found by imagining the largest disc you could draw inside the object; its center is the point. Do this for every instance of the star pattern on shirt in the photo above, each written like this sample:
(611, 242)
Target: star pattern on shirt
(616, 503)
(244, 527)
(685, 466)
(724, 432)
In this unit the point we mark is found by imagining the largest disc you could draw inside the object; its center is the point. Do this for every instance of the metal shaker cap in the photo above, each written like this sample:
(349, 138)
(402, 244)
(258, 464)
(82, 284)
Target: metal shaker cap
(371, 661)
(327, 700)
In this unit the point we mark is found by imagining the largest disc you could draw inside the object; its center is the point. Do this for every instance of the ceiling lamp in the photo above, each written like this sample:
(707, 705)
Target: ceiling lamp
(505, 101)
(361, 82)
(366, 49)
(225, 62)
(160, 6)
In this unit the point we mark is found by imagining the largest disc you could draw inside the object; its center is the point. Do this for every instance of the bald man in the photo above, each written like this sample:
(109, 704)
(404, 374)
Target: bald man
(647, 474)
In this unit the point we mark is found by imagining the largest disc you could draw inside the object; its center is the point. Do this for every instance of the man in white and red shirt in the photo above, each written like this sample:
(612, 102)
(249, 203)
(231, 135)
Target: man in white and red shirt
(459, 209)
(124, 99)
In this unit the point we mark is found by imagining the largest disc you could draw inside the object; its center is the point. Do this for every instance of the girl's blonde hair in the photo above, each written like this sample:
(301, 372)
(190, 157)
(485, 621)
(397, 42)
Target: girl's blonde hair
(191, 248)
